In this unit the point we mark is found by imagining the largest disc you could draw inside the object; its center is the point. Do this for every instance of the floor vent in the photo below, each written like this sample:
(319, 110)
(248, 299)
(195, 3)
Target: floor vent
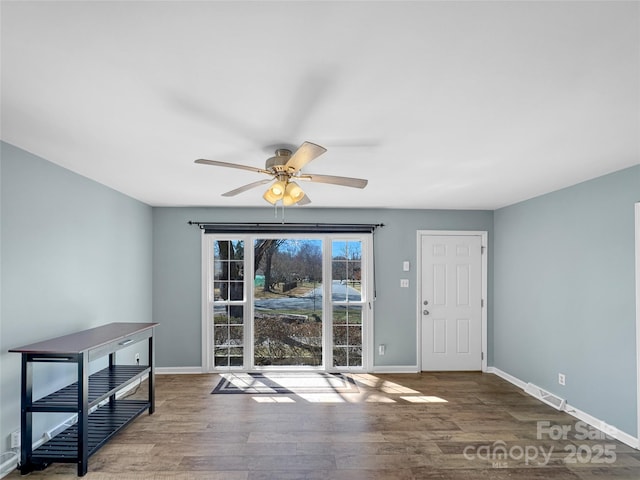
(547, 397)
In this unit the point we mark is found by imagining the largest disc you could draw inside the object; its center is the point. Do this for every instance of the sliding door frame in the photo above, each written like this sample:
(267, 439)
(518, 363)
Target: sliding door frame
(637, 240)
(367, 262)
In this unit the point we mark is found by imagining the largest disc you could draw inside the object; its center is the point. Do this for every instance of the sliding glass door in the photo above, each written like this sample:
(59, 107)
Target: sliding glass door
(286, 302)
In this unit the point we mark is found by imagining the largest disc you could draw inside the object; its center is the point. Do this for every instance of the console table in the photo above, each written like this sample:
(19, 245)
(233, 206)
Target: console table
(91, 397)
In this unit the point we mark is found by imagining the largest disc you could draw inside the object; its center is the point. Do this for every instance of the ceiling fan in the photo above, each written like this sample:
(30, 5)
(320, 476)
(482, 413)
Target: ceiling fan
(284, 168)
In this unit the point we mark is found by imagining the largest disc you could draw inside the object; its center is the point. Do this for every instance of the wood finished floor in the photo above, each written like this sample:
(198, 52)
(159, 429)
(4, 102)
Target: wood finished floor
(410, 426)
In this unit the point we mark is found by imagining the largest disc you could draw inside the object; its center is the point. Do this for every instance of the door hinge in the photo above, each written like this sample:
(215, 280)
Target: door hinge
(481, 355)
(482, 302)
(482, 250)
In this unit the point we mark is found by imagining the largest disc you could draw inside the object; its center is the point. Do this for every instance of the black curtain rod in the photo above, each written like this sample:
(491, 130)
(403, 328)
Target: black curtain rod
(214, 227)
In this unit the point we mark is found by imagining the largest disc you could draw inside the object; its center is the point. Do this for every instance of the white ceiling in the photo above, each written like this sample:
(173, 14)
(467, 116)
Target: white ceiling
(463, 105)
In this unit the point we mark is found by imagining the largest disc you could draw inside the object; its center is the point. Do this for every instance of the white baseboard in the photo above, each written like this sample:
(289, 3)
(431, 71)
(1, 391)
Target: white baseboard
(396, 369)
(10, 464)
(509, 378)
(590, 420)
(603, 426)
(178, 370)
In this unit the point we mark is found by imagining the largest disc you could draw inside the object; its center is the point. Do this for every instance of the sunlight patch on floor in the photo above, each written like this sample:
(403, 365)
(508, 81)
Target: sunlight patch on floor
(384, 385)
(384, 391)
(374, 398)
(366, 379)
(274, 399)
(390, 387)
(322, 397)
(424, 399)
(305, 380)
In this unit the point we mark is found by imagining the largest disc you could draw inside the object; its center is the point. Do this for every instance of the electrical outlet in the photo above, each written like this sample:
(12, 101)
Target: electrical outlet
(404, 283)
(138, 358)
(561, 379)
(15, 439)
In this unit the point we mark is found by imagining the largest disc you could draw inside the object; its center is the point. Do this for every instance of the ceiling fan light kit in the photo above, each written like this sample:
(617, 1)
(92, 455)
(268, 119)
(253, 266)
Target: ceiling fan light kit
(275, 192)
(284, 167)
(289, 192)
(293, 194)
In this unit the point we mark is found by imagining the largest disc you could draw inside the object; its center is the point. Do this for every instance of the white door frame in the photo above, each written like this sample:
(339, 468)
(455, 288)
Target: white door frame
(637, 239)
(367, 307)
(484, 242)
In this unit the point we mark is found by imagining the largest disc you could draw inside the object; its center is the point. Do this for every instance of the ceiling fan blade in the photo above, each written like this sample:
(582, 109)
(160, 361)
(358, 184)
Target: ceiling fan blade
(231, 165)
(304, 200)
(307, 152)
(343, 181)
(244, 188)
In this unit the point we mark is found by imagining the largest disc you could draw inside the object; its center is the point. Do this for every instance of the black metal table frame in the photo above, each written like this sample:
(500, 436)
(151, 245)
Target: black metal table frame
(82, 405)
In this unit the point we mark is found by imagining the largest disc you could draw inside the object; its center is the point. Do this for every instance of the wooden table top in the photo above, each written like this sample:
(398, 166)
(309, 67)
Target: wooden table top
(86, 339)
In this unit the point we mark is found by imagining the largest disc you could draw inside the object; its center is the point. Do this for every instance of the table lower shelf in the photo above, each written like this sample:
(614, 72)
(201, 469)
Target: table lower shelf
(102, 425)
(101, 385)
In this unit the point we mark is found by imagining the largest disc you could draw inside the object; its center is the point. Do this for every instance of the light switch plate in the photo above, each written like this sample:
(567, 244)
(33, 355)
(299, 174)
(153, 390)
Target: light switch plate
(405, 266)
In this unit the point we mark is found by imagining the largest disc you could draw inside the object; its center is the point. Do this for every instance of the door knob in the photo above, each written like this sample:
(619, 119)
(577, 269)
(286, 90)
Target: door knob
(425, 312)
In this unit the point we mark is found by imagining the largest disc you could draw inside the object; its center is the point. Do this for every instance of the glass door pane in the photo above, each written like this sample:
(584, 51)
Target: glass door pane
(288, 302)
(347, 336)
(347, 302)
(228, 303)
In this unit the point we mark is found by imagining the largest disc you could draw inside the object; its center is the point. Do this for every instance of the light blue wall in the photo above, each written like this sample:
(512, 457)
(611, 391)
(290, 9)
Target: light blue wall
(177, 271)
(564, 298)
(75, 255)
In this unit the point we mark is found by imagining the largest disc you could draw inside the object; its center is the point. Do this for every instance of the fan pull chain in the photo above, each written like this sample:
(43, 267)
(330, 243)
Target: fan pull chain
(275, 211)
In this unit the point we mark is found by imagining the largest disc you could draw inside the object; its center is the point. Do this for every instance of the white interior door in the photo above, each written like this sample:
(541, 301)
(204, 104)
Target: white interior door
(450, 303)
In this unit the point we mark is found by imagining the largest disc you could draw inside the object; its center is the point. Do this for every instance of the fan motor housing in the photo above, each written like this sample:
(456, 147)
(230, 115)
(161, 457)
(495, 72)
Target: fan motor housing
(278, 162)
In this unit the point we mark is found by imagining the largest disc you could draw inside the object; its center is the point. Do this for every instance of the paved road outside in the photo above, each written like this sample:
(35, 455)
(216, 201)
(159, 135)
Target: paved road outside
(312, 300)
